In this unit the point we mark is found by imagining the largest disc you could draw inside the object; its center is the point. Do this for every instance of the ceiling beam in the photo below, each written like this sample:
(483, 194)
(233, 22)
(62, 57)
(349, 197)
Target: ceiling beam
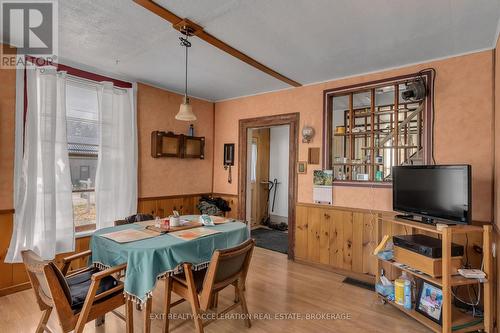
(159, 10)
(178, 23)
(243, 57)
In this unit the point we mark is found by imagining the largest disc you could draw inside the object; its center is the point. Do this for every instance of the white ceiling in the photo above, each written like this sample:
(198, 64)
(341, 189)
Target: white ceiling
(305, 40)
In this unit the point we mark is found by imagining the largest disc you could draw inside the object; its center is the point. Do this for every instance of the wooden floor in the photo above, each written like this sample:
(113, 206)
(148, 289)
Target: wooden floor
(275, 285)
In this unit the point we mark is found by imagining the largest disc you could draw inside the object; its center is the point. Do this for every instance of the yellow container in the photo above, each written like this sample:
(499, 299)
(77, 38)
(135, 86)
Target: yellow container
(399, 291)
(340, 130)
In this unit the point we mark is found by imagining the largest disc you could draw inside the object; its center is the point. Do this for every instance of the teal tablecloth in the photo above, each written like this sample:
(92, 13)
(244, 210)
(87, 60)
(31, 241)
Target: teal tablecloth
(151, 259)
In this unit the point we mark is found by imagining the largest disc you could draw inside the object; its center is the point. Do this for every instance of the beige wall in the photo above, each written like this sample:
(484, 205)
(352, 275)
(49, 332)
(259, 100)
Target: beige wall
(463, 128)
(7, 117)
(156, 109)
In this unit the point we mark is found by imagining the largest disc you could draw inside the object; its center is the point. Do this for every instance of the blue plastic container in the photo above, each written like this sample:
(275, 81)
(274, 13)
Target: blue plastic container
(386, 255)
(385, 291)
(407, 295)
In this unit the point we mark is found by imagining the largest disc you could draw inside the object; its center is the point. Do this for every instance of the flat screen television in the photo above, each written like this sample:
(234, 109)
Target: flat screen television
(433, 192)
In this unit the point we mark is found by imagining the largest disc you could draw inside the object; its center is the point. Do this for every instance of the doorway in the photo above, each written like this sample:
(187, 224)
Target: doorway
(267, 186)
(267, 179)
(258, 177)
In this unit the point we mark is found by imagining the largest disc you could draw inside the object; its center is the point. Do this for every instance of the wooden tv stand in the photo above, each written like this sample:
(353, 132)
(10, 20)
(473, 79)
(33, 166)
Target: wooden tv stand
(451, 317)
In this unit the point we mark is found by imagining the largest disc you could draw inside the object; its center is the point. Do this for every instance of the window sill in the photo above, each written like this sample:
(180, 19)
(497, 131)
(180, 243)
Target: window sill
(84, 230)
(83, 234)
(362, 184)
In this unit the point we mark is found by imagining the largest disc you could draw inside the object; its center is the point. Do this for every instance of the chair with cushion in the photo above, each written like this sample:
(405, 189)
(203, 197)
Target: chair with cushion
(227, 267)
(79, 297)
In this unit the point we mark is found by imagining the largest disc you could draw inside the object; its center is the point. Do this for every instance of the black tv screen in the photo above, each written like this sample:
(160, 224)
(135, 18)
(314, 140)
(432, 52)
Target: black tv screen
(440, 192)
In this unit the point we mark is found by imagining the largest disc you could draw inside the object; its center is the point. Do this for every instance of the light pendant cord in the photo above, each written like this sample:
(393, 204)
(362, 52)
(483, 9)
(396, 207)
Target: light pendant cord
(187, 44)
(186, 81)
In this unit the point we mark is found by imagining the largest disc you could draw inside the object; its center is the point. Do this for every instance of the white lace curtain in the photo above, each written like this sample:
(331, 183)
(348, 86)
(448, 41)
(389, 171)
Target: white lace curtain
(116, 178)
(43, 219)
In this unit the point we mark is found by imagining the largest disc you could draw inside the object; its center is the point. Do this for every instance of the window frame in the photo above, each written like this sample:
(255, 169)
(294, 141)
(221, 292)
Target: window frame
(428, 121)
(77, 74)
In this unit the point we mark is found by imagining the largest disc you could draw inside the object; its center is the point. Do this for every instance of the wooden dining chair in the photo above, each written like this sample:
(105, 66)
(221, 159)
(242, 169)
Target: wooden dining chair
(78, 297)
(227, 267)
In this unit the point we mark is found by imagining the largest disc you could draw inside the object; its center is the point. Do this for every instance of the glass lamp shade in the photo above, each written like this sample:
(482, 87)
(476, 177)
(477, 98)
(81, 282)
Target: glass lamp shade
(307, 134)
(185, 112)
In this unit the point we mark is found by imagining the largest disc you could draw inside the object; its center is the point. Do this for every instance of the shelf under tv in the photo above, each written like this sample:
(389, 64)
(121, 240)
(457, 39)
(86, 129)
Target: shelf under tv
(456, 280)
(462, 322)
(452, 318)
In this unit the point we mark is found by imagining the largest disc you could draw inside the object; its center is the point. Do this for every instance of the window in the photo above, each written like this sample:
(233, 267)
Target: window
(82, 134)
(371, 128)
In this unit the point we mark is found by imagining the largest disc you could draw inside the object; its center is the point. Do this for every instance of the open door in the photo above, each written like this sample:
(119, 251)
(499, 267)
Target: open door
(267, 186)
(256, 174)
(259, 174)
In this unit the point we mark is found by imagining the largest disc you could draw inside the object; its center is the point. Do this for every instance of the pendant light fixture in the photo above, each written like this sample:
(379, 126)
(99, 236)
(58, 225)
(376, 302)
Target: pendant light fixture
(186, 110)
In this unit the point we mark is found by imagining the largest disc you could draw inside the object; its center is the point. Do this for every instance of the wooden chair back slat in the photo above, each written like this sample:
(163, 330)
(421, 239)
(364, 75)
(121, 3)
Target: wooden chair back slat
(229, 267)
(226, 267)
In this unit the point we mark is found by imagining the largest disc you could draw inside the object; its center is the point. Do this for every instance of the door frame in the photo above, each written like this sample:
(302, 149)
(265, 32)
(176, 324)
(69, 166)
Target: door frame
(291, 119)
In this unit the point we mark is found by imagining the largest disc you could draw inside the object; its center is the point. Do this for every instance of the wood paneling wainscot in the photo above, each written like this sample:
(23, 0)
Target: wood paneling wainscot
(343, 239)
(164, 206)
(337, 238)
(184, 204)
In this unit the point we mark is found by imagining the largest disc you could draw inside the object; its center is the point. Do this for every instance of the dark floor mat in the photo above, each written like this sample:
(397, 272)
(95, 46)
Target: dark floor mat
(361, 284)
(271, 239)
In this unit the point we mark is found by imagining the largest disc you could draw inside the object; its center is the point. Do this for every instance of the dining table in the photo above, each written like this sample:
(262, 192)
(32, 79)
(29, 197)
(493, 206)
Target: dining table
(153, 259)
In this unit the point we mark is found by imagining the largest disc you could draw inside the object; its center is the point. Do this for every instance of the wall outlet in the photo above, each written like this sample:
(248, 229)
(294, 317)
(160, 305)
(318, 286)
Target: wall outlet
(494, 249)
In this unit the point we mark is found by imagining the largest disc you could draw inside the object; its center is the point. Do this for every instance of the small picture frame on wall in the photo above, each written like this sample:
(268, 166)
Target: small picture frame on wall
(229, 154)
(302, 167)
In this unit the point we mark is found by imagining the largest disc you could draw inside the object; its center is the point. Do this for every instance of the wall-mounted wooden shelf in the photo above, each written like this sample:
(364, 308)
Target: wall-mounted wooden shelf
(169, 144)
